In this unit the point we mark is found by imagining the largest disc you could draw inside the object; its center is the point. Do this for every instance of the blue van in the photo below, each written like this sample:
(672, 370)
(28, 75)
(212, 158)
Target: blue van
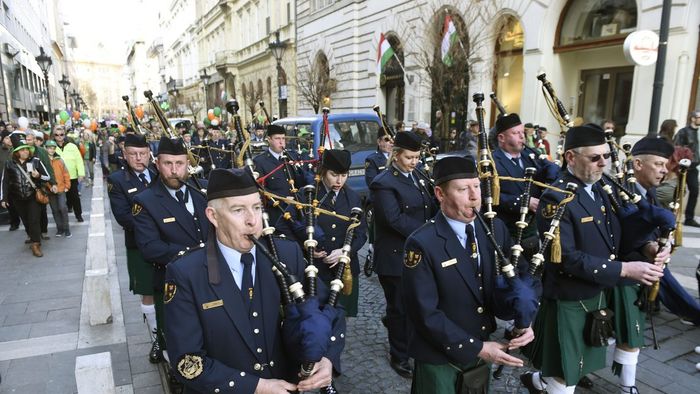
(356, 132)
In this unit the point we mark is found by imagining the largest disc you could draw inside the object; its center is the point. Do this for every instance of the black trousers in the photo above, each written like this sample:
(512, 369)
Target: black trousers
(73, 199)
(30, 212)
(44, 219)
(14, 215)
(692, 181)
(395, 316)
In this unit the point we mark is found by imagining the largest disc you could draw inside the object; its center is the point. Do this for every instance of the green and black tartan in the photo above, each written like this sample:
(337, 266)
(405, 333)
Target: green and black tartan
(559, 349)
(140, 273)
(349, 302)
(629, 319)
(438, 378)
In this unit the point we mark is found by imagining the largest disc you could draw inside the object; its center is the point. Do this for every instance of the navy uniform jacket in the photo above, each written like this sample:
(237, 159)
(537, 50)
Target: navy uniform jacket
(220, 159)
(374, 164)
(399, 209)
(333, 229)
(164, 227)
(508, 208)
(212, 325)
(590, 235)
(450, 315)
(277, 182)
(633, 241)
(123, 186)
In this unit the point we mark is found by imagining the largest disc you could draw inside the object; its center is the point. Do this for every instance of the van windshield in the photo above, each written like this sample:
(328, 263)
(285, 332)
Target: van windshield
(355, 135)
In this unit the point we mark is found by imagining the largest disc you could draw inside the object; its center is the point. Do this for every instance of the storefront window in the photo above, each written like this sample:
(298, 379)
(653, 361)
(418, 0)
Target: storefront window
(587, 21)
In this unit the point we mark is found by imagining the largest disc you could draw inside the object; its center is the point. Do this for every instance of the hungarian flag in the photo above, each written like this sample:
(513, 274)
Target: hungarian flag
(449, 36)
(384, 53)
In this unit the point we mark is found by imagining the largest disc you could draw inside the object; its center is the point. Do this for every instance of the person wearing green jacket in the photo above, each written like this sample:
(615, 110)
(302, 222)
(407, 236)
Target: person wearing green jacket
(71, 156)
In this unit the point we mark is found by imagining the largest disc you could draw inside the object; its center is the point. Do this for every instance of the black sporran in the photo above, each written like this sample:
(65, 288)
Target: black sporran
(599, 326)
(475, 380)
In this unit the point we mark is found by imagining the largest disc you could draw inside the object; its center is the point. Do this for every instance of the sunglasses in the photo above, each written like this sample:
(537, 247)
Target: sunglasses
(58, 135)
(386, 139)
(596, 158)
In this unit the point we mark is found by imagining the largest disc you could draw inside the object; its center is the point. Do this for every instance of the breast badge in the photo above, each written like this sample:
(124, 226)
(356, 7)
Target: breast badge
(549, 211)
(169, 292)
(136, 209)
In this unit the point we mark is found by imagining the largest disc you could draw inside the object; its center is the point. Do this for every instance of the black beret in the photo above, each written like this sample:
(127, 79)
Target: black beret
(180, 124)
(542, 128)
(653, 146)
(589, 134)
(408, 140)
(529, 126)
(135, 140)
(337, 160)
(2, 123)
(506, 122)
(120, 139)
(170, 146)
(275, 129)
(381, 133)
(230, 183)
(129, 129)
(454, 167)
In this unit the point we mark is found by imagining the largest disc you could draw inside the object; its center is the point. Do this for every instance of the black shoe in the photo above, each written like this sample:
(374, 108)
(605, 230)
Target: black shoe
(526, 380)
(67, 234)
(402, 367)
(79, 219)
(70, 210)
(691, 223)
(27, 241)
(14, 227)
(585, 382)
(329, 389)
(156, 355)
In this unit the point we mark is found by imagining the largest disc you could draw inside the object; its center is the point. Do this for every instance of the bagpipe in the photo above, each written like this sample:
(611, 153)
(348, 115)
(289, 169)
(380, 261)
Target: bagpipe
(136, 124)
(556, 107)
(245, 156)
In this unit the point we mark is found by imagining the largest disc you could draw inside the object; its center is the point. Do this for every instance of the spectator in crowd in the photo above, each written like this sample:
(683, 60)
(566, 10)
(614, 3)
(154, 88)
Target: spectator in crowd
(90, 154)
(57, 198)
(33, 140)
(22, 175)
(70, 154)
(688, 137)
(668, 129)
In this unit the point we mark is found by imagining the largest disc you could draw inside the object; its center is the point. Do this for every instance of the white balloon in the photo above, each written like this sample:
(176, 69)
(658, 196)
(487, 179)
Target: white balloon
(215, 122)
(86, 123)
(23, 123)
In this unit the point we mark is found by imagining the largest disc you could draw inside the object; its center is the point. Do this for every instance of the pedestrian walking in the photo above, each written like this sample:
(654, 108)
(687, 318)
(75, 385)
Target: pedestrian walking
(21, 177)
(688, 137)
(57, 197)
(70, 154)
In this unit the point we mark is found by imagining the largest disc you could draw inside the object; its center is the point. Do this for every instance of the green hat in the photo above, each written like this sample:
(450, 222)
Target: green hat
(19, 141)
(50, 143)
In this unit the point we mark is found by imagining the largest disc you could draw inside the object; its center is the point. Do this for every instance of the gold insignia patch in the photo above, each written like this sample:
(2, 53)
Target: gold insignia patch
(190, 366)
(366, 164)
(549, 211)
(136, 209)
(169, 292)
(411, 258)
(109, 187)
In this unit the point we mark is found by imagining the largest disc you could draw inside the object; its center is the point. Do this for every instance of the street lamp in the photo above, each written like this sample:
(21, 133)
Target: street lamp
(277, 48)
(45, 62)
(75, 97)
(65, 83)
(205, 80)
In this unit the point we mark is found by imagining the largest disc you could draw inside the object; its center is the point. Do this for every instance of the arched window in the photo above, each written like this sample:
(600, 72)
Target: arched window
(392, 81)
(591, 23)
(508, 71)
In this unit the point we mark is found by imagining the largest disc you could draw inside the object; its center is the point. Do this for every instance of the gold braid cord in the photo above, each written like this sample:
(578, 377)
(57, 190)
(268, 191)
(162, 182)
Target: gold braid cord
(301, 205)
(540, 184)
(496, 186)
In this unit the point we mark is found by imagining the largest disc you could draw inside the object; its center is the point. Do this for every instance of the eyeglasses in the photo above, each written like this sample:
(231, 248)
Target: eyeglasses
(596, 158)
(58, 135)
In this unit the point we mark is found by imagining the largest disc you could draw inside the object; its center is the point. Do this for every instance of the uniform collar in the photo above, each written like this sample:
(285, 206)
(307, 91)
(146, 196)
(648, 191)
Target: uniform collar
(275, 155)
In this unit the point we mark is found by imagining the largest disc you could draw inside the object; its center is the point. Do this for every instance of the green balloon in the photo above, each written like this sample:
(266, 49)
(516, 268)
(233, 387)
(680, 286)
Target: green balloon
(217, 111)
(83, 116)
(64, 115)
(207, 122)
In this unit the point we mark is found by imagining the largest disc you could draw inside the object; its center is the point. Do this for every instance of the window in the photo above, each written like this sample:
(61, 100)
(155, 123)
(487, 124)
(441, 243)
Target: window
(586, 22)
(319, 4)
(267, 25)
(354, 135)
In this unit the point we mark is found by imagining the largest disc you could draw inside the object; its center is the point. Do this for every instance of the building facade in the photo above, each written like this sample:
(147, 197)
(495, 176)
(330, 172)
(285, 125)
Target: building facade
(498, 46)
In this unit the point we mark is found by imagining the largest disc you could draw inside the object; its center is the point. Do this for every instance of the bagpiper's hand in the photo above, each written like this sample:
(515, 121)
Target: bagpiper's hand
(321, 376)
(663, 255)
(533, 204)
(524, 337)
(319, 254)
(332, 259)
(494, 352)
(642, 272)
(274, 386)
(3, 204)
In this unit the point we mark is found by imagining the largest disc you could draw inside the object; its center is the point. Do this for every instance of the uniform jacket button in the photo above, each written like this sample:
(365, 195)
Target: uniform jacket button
(480, 310)
(257, 367)
(231, 383)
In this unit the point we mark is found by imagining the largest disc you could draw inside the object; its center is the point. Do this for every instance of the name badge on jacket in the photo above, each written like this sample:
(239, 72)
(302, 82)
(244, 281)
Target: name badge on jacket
(168, 220)
(449, 263)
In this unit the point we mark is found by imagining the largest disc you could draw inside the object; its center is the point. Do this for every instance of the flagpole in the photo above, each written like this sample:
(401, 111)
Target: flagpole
(399, 61)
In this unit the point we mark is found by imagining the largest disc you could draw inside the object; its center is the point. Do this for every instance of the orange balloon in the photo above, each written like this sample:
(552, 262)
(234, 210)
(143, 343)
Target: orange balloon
(121, 128)
(211, 116)
(76, 115)
(93, 125)
(139, 112)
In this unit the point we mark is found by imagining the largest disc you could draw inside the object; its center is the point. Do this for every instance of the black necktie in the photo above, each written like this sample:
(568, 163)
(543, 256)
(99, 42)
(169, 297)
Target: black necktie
(247, 282)
(471, 243)
(516, 161)
(181, 197)
(142, 176)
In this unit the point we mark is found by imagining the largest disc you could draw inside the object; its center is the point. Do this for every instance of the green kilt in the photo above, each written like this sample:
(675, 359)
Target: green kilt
(437, 378)
(559, 349)
(349, 302)
(140, 273)
(629, 319)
